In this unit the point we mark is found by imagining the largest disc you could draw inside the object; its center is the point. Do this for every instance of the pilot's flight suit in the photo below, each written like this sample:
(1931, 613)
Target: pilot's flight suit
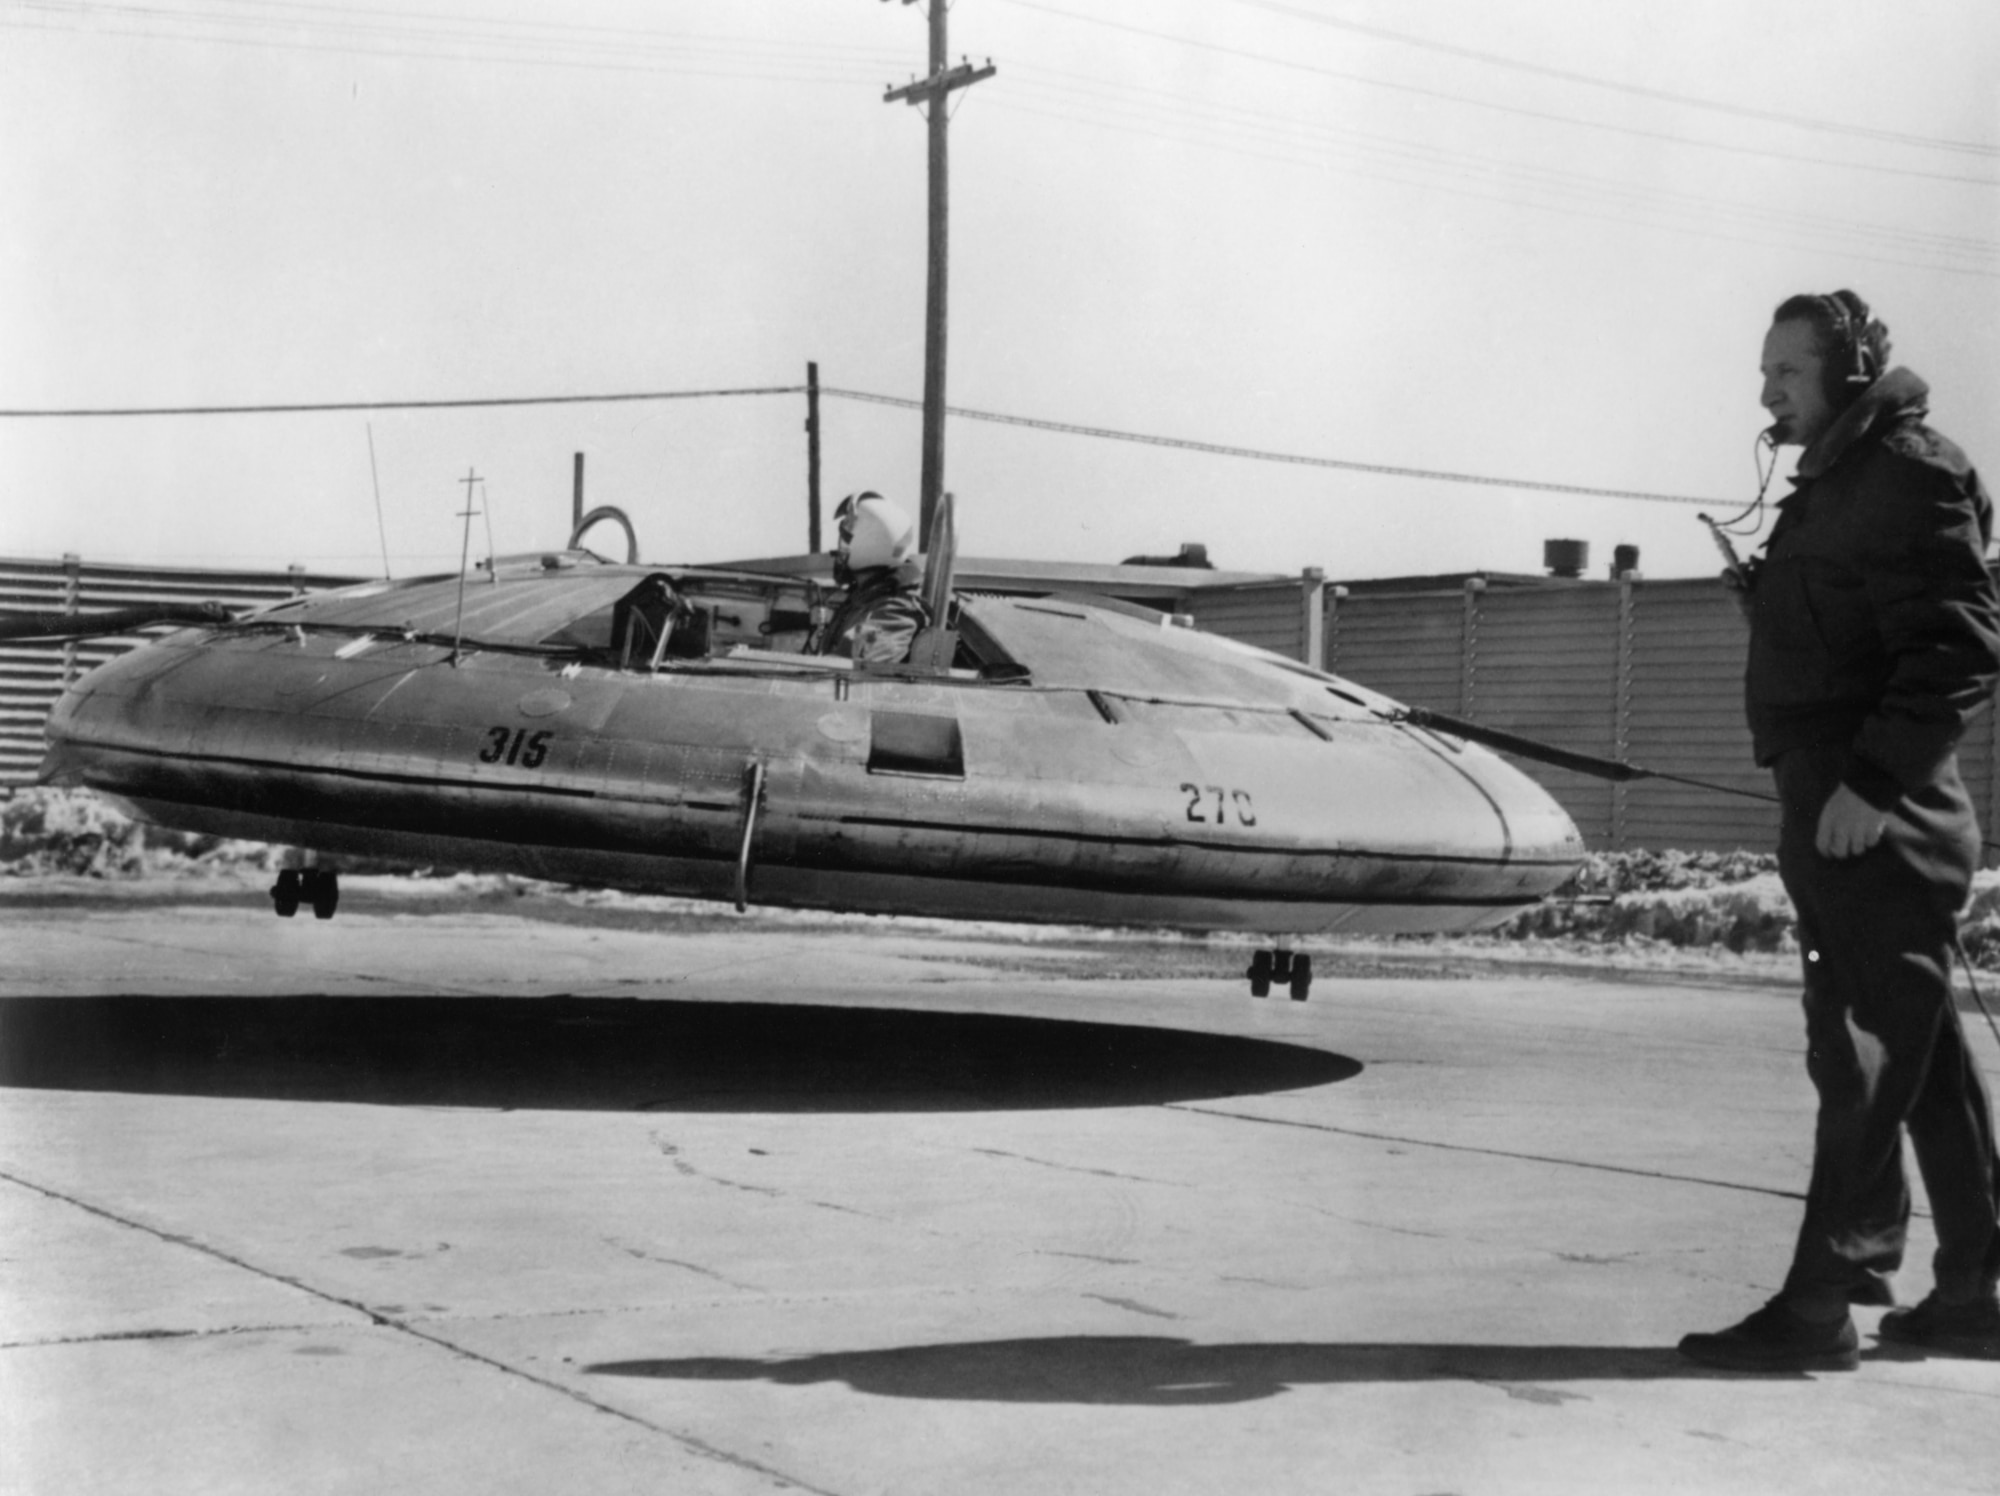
(1875, 635)
(878, 620)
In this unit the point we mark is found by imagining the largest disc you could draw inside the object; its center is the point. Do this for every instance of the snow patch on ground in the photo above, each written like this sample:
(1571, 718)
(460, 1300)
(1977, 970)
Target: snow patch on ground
(1631, 909)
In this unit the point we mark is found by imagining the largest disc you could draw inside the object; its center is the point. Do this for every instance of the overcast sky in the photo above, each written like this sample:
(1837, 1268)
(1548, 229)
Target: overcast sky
(1533, 240)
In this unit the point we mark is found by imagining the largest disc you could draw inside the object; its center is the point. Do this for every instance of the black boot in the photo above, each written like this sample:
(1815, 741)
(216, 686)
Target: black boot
(1777, 1338)
(1968, 1329)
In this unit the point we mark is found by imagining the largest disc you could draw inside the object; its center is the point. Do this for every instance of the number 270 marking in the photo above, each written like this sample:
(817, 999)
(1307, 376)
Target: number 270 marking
(1225, 800)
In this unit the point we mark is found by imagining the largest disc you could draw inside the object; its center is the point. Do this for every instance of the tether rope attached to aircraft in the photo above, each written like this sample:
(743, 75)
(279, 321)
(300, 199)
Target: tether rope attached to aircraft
(1618, 769)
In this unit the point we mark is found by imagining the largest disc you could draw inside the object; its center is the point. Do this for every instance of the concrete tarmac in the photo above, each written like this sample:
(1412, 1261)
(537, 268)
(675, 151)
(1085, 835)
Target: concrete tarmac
(475, 1203)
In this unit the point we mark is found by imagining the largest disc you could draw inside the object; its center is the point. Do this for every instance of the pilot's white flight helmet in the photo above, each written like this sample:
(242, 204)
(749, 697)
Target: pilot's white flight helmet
(875, 531)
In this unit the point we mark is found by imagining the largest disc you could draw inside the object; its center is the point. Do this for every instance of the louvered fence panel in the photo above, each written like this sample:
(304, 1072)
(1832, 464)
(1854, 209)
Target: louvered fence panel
(1271, 616)
(1545, 665)
(1685, 717)
(1403, 645)
(33, 673)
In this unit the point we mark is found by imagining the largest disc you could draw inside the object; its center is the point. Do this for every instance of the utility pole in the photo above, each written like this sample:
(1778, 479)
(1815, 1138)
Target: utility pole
(812, 457)
(936, 90)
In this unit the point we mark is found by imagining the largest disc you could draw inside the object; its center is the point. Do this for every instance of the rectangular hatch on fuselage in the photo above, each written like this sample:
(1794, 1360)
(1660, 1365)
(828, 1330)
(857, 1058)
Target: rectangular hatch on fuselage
(915, 743)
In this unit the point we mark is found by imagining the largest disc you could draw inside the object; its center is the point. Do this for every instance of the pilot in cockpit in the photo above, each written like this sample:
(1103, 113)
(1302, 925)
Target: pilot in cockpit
(880, 616)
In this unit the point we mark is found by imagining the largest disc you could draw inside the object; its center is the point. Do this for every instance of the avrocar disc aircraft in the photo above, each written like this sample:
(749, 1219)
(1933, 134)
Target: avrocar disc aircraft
(560, 717)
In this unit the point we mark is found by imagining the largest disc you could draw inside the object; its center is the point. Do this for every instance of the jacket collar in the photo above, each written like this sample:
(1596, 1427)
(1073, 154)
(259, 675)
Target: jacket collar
(1896, 394)
(907, 574)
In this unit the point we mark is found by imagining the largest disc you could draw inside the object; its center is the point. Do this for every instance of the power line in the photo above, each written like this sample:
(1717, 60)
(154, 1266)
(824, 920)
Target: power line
(1133, 108)
(320, 407)
(1066, 428)
(1487, 183)
(1157, 105)
(529, 43)
(1638, 90)
(1521, 111)
(1105, 433)
(1548, 116)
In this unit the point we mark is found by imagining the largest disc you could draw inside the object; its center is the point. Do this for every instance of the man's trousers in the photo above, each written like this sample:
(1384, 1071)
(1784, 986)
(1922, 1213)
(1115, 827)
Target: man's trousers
(1886, 1050)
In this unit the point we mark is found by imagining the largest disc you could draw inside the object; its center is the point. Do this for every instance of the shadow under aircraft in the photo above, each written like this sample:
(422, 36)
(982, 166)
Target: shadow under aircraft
(594, 1054)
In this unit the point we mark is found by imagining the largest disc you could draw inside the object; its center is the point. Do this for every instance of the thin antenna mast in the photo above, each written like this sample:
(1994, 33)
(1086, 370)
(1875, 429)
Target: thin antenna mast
(492, 556)
(464, 555)
(381, 528)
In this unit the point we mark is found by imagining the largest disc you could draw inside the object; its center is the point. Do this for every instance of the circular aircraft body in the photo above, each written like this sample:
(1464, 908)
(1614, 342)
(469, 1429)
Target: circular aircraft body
(668, 730)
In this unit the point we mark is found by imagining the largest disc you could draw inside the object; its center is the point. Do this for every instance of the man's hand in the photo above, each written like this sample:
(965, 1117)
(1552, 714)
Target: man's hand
(1848, 825)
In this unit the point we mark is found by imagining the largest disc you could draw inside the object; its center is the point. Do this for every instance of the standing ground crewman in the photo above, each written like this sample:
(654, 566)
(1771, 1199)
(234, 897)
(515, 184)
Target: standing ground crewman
(1874, 636)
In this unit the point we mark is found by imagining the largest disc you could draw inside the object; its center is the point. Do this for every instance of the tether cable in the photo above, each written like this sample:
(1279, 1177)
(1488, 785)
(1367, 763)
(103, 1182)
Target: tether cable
(1562, 758)
(1581, 763)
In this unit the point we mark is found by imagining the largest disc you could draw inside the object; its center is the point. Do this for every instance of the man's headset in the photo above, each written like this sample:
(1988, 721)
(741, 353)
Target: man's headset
(1861, 344)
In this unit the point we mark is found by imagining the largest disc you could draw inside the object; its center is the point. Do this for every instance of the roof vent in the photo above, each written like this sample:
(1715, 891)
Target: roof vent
(1192, 553)
(1566, 558)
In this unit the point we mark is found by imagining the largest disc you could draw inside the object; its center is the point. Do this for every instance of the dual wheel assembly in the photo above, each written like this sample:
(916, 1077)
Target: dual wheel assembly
(1282, 967)
(319, 887)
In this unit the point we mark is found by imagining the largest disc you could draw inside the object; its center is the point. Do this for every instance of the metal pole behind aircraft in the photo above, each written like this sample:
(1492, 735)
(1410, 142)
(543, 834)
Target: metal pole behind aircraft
(812, 458)
(936, 89)
(938, 245)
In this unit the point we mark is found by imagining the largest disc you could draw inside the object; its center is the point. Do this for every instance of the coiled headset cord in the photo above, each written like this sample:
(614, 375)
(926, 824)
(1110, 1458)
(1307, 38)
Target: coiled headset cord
(1972, 982)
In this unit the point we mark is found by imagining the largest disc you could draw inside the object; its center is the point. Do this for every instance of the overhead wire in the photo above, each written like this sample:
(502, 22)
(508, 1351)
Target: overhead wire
(1946, 259)
(1296, 459)
(324, 406)
(1163, 102)
(1393, 157)
(1636, 90)
(1067, 428)
(383, 32)
(1370, 80)
(538, 44)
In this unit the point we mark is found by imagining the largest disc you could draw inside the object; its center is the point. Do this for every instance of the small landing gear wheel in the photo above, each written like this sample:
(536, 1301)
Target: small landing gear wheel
(322, 890)
(285, 893)
(1281, 966)
(1302, 977)
(1260, 974)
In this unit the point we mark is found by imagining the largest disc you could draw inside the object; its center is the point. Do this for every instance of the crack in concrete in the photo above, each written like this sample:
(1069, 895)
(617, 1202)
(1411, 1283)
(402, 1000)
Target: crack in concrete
(671, 1151)
(692, 1267)
(689, 1442)
(1047, 1163)
(1519, 1157)
(116, 1335)
(1089, 1257)
(1132, 1305)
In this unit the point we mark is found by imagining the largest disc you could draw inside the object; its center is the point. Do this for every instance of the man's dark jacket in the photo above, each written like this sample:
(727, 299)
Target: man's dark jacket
(1874, 621)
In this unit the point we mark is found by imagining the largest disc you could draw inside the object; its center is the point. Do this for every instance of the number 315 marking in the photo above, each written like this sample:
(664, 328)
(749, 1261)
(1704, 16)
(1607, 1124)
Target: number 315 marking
(501, 743)
(1224, 799)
